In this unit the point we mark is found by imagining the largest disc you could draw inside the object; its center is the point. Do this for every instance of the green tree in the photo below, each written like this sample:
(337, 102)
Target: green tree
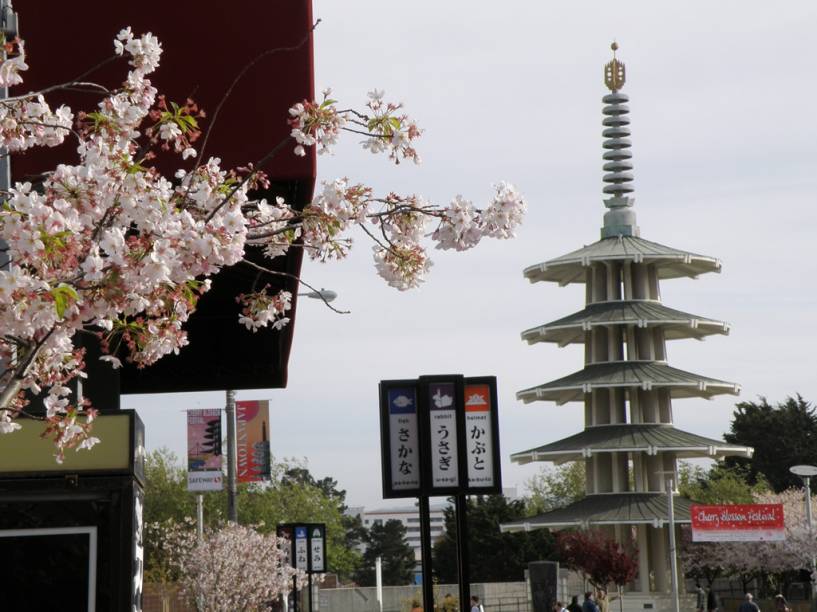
(782, 436)
(494, 556)
(720, 484)
(556, 487)
(283, 499)
(387, 541)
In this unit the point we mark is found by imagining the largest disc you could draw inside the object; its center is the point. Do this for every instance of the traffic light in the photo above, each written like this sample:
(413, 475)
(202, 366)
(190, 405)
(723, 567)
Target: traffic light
(212, 436)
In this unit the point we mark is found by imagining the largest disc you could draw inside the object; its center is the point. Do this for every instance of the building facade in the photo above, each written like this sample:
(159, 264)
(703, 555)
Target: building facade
(629, 445)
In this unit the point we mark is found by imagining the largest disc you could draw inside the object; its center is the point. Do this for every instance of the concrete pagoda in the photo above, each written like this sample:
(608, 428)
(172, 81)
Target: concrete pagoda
(629, 445)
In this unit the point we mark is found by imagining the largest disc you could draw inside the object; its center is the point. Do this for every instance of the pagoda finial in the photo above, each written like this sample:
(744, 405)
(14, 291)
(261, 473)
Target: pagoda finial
(614, 72)
(620, 219)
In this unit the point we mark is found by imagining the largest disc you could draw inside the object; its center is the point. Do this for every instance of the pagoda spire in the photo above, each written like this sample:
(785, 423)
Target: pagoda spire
(620, 219)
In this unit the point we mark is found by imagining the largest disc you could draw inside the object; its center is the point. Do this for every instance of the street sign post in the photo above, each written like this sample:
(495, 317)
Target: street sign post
(439, 435)
(306, 552)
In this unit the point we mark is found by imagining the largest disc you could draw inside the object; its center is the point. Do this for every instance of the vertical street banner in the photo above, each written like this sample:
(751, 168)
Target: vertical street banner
(439, 435)
(400, 438)
(302, 547)
(479, 436)
(252, 443)
(442, 418)
(286, 531)
(204, 450)
(317, 549)
(306, 546)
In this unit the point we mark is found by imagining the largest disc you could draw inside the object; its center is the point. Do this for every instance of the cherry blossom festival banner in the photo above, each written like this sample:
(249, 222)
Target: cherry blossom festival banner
(738, 523)
(252, 448)
(204, 450)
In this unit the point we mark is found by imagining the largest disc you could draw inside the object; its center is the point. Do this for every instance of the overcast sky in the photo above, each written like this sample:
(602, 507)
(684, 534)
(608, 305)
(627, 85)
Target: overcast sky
(722, 98)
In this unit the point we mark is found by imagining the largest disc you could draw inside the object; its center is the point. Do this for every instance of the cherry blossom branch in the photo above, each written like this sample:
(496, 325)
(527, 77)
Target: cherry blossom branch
(260, 268)
(240, 76)
(72, 82)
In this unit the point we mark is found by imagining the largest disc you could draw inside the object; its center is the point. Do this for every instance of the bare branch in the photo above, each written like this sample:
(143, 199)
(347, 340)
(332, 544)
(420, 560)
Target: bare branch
(252, 264)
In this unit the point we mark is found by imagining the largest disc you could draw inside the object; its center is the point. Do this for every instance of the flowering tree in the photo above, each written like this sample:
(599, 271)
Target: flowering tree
(110, 247)
(599, 558)
(230, 569)
(773, 561)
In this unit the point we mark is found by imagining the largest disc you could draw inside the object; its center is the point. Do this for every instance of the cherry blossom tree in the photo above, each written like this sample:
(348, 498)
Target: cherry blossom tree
(230, 569)
(773, 561)
(599, 558)
(110, 247)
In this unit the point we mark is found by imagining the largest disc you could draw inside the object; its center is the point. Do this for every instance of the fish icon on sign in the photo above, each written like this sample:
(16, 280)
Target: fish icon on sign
(401, 401)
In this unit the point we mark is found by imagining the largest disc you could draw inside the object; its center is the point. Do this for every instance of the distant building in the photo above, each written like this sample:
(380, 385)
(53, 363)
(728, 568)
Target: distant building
(409, 516)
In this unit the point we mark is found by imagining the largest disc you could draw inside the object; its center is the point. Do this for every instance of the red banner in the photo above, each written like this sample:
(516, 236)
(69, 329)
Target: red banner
(253, 456)
(738, 523)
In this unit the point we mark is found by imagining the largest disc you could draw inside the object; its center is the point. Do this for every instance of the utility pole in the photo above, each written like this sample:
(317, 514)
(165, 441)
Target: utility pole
(229, 410)
(806, 472)
(200, 515)
(673, 555)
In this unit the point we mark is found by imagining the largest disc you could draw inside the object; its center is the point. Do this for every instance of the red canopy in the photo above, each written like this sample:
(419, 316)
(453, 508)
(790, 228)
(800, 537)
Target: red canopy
(206, 44)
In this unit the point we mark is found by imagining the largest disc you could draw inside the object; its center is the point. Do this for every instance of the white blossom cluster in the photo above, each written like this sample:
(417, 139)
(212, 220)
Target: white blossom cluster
(105, 244)
(111, 247)
(748, 558)
(234, 567)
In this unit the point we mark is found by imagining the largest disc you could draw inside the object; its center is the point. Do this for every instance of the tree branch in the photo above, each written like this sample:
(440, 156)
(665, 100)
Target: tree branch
(252, 264)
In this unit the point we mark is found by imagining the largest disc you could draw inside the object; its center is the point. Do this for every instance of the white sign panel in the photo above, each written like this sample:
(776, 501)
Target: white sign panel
(403, 438)
(317, 547)
(204, 481)
(478, 435)
(443, 421)
(301, 549)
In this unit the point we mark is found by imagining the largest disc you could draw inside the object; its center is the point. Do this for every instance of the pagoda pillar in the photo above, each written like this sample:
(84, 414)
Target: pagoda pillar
(642, 542)
(659, 557)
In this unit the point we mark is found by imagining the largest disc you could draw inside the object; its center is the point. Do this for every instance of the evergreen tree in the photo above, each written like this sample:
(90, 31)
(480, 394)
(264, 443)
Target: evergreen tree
(494, 556)
(387, 541)
(782, 436)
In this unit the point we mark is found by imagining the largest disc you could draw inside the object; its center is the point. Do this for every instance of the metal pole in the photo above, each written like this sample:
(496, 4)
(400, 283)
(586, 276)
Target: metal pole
(9, 26)
(378, 575)
(200, 515)
(673, 560)
(10, 29)
(463, 572)
(309, 596)
(232, 510)
(425, 552)
(807, 489)
(295, 603)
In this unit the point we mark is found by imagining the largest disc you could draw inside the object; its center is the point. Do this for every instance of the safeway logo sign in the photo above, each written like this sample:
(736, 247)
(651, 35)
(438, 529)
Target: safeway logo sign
(738, 523)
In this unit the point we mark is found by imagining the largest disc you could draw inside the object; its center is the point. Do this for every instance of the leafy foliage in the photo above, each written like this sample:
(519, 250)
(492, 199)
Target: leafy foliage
(720, 484)
(495, 556)
(598, 557)
(286, 498)
(230, 568)
(556, 487)
(388, 541)
(782, 436)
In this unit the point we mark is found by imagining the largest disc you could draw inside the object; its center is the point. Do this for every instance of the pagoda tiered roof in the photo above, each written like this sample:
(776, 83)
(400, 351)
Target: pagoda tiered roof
(647, 375)
(669, 262)
(608, 509)
(642, 313)
(650, 438)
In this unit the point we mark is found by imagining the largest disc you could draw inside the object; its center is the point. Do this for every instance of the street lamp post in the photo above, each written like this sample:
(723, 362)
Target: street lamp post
(669, 479)
(806, 472)
(327, 295)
